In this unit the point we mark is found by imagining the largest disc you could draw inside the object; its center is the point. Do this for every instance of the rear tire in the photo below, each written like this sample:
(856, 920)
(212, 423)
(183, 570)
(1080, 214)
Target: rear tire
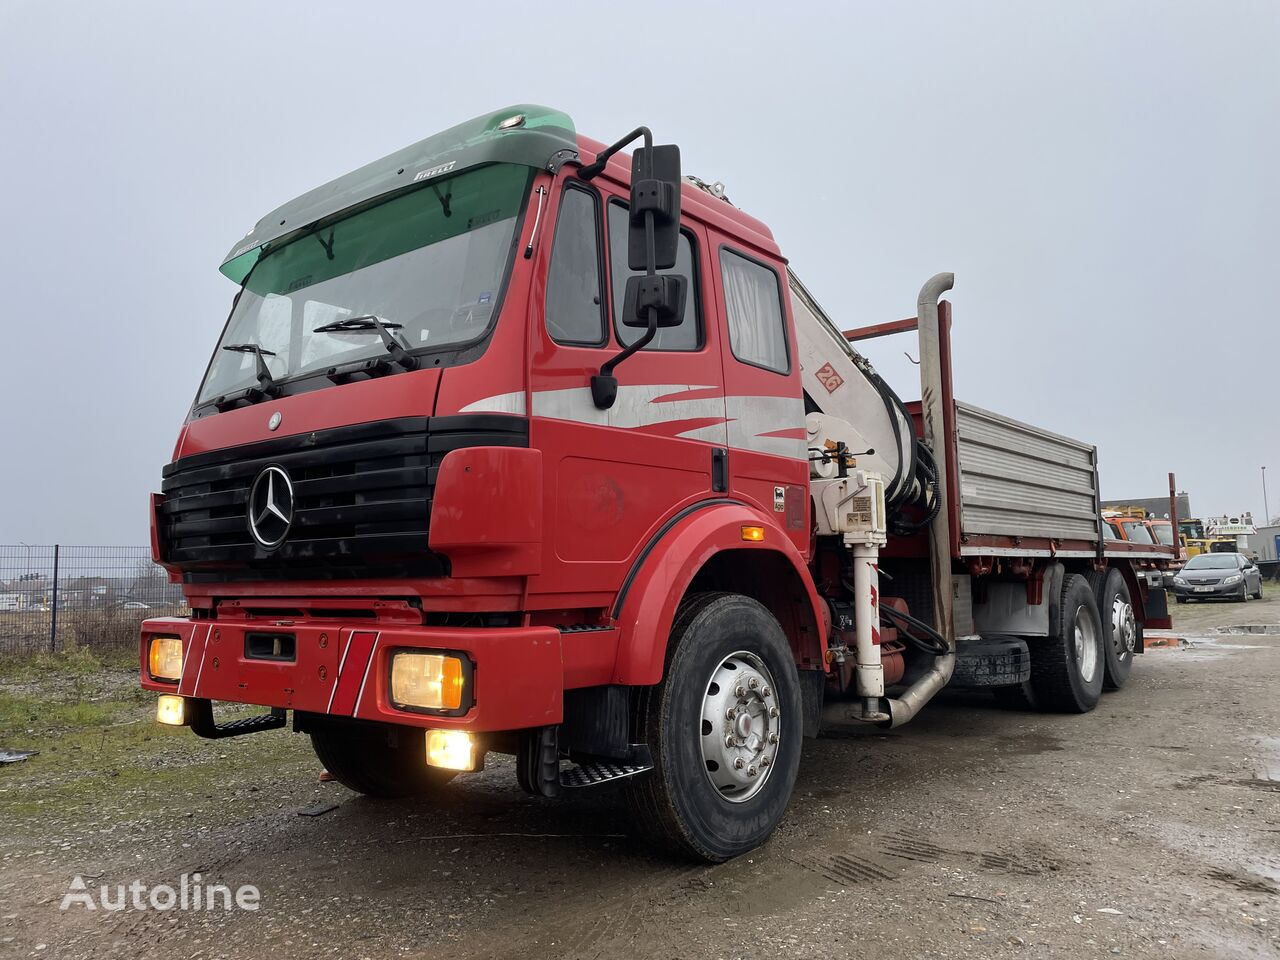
(388, 762)
(1121, 632)
(1067, 667)
(696, 801)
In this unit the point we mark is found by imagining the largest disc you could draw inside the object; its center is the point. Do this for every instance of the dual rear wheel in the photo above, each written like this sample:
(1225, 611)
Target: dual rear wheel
(1093, 636)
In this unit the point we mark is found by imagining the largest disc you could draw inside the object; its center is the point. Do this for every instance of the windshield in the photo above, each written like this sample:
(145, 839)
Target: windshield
(1135, 531)
(1212, 561)
(1163, 532)
(432, 261)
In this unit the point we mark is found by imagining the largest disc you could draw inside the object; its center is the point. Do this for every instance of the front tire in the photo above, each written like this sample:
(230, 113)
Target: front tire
(1067, 667)
(379, 762)
(724, 726)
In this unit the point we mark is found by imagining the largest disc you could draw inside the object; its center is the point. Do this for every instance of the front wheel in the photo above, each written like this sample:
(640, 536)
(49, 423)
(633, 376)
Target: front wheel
(724, 726)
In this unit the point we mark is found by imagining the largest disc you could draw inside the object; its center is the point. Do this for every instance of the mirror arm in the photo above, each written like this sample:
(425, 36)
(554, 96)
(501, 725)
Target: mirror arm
(592, 170)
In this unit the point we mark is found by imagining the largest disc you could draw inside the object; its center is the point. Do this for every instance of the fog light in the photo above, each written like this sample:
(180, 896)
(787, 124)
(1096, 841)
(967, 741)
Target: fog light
(427, 681)
(165, 659)
(451, 749)
(171, 709)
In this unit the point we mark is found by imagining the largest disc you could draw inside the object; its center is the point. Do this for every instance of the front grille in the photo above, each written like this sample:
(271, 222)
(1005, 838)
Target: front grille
(361, 500)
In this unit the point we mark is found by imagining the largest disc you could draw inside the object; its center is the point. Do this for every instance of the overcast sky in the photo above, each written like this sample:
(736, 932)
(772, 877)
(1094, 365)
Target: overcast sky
(1103, 178)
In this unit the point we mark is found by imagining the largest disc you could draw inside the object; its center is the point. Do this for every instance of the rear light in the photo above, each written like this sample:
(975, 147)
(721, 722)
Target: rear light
(164, 659)
(427, 681)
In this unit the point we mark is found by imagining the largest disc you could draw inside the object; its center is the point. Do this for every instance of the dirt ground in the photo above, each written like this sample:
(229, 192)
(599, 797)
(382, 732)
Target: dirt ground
(1149, 828)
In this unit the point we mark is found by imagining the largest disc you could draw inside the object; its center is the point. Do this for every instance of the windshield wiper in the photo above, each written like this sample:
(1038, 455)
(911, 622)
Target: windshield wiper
(368, 323)
(265, 380)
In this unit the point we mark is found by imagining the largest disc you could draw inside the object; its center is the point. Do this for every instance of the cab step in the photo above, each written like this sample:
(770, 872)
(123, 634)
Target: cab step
(203, 724)
(595, 772)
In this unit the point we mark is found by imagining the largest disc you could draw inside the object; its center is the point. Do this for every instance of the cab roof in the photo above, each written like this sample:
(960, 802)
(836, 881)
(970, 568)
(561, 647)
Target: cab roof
(524, 134)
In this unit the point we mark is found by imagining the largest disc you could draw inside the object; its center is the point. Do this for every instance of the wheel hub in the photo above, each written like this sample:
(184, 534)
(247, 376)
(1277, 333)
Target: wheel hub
(741, 725)
(1086, 645)
(1124, 628)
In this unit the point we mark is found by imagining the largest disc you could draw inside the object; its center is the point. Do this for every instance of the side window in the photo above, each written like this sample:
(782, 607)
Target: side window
(575, 304)
(684, 337)
(753, 307)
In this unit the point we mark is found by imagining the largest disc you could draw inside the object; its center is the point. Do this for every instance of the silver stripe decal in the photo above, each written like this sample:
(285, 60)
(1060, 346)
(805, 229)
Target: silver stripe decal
(499, 403)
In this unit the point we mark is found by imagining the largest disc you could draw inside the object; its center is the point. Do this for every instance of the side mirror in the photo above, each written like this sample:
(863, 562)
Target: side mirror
(655, 187)
(664, 293)
(653, 241)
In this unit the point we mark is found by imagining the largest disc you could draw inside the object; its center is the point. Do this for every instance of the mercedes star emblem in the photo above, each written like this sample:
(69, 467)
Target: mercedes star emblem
(274, 421)
(271, 507)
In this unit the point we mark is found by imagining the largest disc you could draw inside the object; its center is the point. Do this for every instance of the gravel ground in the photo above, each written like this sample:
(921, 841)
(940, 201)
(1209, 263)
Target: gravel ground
(1150, 827)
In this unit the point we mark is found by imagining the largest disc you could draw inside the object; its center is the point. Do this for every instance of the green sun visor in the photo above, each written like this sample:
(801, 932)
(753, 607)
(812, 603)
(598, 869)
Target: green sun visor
(524, 134)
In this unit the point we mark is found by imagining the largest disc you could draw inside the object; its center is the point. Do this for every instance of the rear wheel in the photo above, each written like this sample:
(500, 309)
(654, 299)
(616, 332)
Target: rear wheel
(1120, 628)
(724, 726)
(1067, 667)
(386, 762)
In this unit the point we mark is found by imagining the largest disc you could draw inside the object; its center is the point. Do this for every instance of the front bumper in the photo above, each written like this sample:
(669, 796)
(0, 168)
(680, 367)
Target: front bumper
(344, 670)
(1193, 592)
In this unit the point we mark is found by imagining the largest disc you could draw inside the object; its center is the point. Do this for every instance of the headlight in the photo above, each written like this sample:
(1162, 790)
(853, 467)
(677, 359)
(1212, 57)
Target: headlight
(1179, 581)
(1234, 578)
(165, 659)
(427, 681)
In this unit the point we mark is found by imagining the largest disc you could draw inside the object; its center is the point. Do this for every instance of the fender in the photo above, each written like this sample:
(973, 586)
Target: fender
(646, 607)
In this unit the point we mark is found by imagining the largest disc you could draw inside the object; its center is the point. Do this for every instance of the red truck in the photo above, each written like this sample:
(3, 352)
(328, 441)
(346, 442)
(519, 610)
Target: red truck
(510, 445)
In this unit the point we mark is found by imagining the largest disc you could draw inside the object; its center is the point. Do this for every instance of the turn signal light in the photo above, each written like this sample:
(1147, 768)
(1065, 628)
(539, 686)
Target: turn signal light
(171, 710)
(451, 749)
(753, 534)
(427, 681)
(165, 659)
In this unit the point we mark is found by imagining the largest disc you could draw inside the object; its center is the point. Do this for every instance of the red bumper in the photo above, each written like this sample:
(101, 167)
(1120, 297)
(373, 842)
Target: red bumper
(344, 669)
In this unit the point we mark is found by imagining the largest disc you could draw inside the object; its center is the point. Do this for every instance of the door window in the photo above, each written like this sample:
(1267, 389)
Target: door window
(687, 336)
(753, 307)
(575, 303)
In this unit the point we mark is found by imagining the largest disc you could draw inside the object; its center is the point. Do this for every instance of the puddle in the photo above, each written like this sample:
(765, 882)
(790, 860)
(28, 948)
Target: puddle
(1197, 647)
(1254, 629)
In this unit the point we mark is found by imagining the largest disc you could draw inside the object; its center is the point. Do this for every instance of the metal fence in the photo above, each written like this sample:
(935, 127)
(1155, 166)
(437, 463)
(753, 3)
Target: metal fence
(53, 597)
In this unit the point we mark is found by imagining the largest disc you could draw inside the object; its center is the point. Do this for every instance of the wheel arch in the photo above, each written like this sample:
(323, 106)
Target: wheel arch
(704, 550)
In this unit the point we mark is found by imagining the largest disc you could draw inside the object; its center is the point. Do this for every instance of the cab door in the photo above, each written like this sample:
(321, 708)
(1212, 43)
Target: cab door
(768, 455)
(612, 477)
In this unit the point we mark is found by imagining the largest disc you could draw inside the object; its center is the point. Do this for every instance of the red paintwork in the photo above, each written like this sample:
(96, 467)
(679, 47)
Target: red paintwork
(486, 512)
(650, 606)
(517, 681)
